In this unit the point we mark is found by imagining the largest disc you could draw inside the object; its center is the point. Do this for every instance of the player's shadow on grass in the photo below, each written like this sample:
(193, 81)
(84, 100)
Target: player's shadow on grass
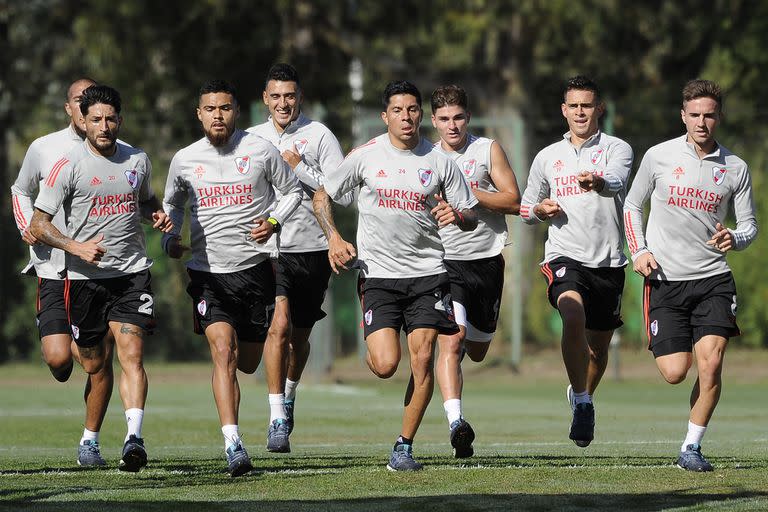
(641, 502)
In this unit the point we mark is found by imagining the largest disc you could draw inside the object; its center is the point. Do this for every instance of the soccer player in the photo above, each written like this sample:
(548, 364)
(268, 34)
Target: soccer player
(473, 259)
(407, 190)
(47, 263)
(690, 295)
(578, 185)
(103, 187)
(227, 177)
(303, 267)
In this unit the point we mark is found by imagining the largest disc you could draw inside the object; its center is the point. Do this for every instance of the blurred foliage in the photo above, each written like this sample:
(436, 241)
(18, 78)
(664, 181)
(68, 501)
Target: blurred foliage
(512, 57)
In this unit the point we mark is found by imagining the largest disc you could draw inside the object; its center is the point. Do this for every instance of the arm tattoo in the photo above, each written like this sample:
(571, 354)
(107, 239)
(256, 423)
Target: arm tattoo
(321, 205)
(46, 232)
(130, 329)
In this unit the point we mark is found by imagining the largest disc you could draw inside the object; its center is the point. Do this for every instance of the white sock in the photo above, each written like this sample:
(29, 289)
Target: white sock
(231, 435)
(582, 398)
(694, 436)
(290, 389)
(452, 409)
(134, 418)
(89, 435)
(277, 407)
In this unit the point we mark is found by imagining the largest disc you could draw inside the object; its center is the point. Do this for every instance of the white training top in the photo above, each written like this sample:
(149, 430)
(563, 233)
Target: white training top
(320, 155)
(589, 229)
(490, 235)
(396, 234)
(45, 155)
(689, 196)
(227, 188)
(101, 196)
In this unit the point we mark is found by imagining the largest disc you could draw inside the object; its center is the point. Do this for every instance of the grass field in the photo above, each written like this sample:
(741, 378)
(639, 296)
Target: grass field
(344, 432)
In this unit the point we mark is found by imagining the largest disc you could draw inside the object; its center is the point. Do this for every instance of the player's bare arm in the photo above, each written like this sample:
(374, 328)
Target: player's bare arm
(465, 220)
(340, 252)
(507, 199)
(589, 181)
(722, 240)
(47, 233)
(152, 211)
(547, 209)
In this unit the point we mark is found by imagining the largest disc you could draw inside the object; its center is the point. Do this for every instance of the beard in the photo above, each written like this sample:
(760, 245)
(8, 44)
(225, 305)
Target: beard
(103, 146)
(219, 138)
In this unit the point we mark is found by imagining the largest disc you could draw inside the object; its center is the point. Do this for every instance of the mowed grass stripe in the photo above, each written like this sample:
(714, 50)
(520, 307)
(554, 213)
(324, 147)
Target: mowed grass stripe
(523, 461)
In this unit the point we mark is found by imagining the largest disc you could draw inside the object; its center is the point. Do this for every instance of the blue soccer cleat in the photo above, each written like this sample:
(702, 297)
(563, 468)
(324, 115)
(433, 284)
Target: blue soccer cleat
(89, 455)
(402, 459)
(277, 437)
(238, 461)
(692, 459)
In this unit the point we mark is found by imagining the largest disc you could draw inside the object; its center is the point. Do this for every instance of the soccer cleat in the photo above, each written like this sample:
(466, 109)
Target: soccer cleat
(462, 436)
(277, 437)
(289, 415)
(692, 459)
(89, 456)
(238, 461)
(134, 455)
(402, 459)
(583, 424)
(569, 396)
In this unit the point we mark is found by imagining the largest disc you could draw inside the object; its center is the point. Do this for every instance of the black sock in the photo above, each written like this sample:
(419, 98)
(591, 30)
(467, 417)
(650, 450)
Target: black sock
(403, 440)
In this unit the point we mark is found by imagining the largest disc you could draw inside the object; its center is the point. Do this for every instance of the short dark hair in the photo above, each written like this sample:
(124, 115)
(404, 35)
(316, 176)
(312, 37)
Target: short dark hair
(79, 80)
(581, 83)
(282, 72)
(699, 88)
(100, 94)
(396, 87)
(446, 95)
(217, 85)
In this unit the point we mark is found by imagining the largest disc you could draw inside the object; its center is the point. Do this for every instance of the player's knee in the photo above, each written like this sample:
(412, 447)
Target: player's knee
(421, 361)
(383, 367)
(223, 350)
(279, 330)
(598, 354)
(58, 361)
(450, 346)
(93, 366)
(674, 375)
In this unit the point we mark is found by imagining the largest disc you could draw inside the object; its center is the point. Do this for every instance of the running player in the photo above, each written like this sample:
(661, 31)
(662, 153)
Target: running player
(578, 184)
(303, 267)
(227, 177)
(690, 294)
(473, 259)
(406, 192)
(47, 263)
(103, 187)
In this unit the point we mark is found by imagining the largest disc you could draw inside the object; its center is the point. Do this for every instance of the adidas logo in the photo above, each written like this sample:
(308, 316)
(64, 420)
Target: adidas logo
(381, 174)
(95, 181)
(678, 172)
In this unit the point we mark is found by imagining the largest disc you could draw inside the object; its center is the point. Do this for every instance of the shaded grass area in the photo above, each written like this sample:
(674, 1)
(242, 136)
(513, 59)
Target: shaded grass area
(343, 435)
